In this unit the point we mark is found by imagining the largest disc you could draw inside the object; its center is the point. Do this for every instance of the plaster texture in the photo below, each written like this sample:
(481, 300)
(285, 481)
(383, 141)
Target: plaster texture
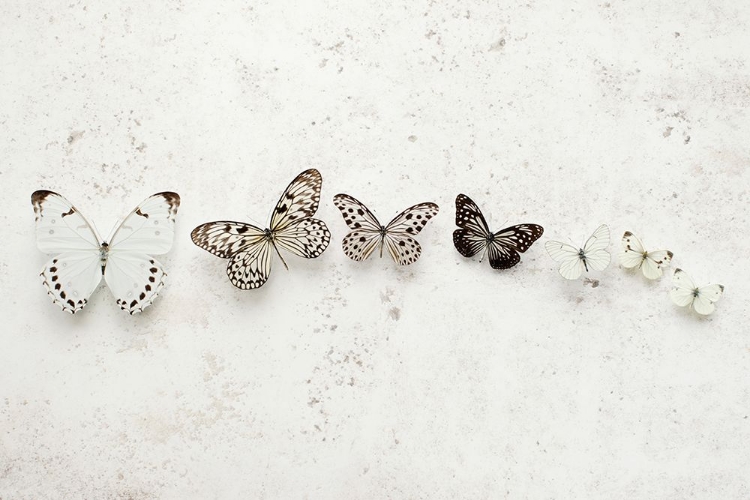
(345, 380)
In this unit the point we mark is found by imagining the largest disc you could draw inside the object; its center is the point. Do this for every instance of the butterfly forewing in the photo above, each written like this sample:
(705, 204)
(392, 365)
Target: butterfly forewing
(356, 215)
(225, 238)
(299, 201)
(60, 227)
(149, 229)
(470, 218)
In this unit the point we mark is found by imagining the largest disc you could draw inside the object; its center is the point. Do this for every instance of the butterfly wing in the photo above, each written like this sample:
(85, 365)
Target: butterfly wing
(653, 263)
(683, 288)
(226, 238)
(632, 251)
(571, 265)
(250, 268)
(134, 279)
(403, 248)
(506, 243)
(72, 276)
(706, 296)
(365, 237)
(471, 237)
(300, 200)
(307, 238)
(594, 251)
(149, 229)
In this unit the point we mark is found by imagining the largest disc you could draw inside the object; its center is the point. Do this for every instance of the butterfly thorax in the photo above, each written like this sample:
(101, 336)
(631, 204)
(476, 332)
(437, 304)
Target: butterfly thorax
(490, 238)
(103, 254)
(268, 234)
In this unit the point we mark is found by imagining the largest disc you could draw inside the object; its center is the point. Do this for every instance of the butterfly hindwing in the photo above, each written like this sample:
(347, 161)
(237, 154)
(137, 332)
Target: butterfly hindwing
(134, 279)
(71, 277)
(250, 268)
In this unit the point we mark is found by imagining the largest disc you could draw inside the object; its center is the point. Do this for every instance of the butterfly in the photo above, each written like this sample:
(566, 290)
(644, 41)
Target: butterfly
(292, 228)
(634, 255)
(685, 293)
(474, 236)
(81, 257)
(368, 234)
(573, 261)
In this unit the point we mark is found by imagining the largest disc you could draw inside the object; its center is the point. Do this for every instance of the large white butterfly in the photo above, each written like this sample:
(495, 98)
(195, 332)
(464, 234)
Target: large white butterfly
(474, 236)
(368, 234)
(292, 227)
(685, 293)
(575, 260)
(635, 255)
(125, 260)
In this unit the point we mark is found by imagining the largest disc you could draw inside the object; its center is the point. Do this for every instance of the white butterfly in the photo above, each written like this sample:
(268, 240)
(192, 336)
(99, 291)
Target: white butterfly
(573, 260)
(367, 233)
(685, 293)
(635, 255)
(132, 275)
(292, 227)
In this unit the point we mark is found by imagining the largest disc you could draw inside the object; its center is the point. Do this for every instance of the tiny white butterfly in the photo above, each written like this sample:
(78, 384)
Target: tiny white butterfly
(635, 255)
(82, 258)
(685, 293)
(575, 260)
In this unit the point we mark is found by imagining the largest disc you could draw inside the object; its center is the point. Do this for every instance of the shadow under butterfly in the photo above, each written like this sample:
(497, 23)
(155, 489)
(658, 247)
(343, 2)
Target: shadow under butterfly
(502, 247)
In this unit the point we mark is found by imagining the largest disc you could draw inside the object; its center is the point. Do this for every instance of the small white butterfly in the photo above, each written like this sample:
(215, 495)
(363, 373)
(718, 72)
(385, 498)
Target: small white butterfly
(368, 233)
(82, 258)
(635, 255)
(685, 293)
(573, 260)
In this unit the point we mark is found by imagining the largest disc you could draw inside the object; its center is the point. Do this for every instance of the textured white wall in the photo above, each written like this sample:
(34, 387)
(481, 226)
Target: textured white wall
(344, 380)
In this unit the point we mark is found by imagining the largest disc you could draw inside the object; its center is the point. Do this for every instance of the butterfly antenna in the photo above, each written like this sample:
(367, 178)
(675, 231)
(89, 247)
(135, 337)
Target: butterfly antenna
(280, 257)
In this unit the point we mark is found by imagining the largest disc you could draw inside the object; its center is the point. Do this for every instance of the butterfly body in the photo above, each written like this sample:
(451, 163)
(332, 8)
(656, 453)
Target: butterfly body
(292, 228)
(124, 260)
(368, 233)
(474, 236)
(574, 261)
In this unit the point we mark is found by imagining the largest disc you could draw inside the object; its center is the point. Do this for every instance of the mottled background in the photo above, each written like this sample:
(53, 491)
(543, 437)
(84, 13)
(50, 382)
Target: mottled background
(344, 380)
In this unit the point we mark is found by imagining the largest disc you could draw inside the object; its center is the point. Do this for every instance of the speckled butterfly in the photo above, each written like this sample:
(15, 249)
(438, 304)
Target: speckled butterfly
(125, 260)
(634, 254)
(292, 228)
(368, 234)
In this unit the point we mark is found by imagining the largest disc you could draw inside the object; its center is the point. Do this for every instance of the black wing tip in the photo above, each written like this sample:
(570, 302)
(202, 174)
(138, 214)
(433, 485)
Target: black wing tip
(40, 195)
(171, 197)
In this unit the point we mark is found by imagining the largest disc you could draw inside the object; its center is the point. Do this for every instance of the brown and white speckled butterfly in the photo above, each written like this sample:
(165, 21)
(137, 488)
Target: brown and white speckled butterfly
(292, 228)
(81, 258)
(474, 236)
(368, 234)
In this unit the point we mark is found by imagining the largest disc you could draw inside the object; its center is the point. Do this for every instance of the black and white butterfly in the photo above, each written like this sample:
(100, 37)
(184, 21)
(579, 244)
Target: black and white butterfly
(634, 254)
(368, 234)
(574, 260)
(125, 260)
(292, 228)
(502, 247)
(684, 292)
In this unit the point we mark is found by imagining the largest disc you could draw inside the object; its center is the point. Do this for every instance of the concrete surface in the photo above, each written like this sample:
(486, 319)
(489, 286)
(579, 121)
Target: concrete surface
(340, 380)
